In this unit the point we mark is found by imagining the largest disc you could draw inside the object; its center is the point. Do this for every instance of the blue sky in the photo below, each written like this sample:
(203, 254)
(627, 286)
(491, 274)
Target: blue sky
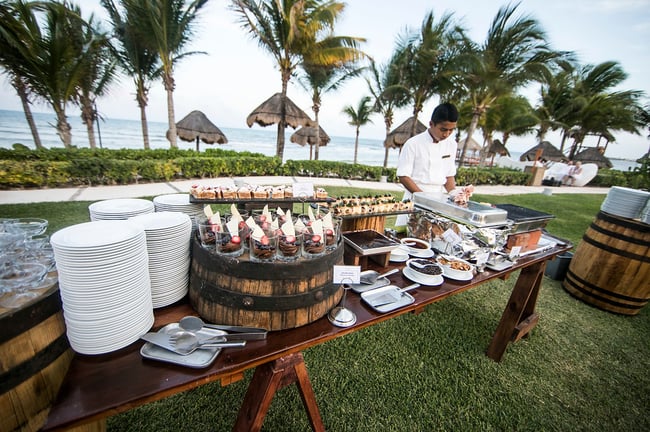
(236, 75)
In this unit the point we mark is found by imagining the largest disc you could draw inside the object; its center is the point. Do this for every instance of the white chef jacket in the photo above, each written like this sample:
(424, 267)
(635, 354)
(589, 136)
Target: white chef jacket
(427, 163)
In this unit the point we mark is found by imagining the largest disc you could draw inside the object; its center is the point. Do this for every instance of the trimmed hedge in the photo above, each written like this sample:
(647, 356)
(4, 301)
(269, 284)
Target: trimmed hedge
(25, 168)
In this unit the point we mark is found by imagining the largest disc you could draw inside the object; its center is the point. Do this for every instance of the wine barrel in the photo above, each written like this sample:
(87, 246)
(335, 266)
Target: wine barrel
(611, 266)
(35, 356)
(275, 295)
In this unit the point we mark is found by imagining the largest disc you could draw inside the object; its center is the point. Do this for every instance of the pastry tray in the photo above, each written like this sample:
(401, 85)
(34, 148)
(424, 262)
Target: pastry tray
(369, 242)
(474, 214)
(200, 358)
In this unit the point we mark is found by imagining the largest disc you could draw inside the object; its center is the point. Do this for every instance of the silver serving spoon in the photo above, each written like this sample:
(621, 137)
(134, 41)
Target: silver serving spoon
(186, 343)
(371, 278)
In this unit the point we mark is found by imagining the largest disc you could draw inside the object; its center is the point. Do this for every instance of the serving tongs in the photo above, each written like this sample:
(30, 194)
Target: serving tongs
(194, 324)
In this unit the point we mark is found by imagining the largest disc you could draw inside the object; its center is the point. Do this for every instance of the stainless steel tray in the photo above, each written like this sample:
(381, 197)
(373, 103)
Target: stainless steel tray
(200, 358)
(475, 214)
(369, 242)
(370, 298)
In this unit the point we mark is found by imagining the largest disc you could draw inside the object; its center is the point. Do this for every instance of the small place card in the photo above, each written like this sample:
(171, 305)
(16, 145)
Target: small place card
(347, 274)
(451, 237)
(303, 189)
(514, 252)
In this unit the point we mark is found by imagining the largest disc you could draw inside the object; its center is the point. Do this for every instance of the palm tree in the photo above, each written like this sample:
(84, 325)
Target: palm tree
(289, 30)
(513, 54)
(135, 59)
(55, 69)
(326, 67)
(511, 115)
(423, 60)
(358, 117)
(596, 111)
(385, 101)
(98, 66)
(19, 31)
(166, 27)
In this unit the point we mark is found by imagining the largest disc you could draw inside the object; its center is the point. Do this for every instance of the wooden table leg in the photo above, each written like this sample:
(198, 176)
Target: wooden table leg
(267, 380)
(519, 316)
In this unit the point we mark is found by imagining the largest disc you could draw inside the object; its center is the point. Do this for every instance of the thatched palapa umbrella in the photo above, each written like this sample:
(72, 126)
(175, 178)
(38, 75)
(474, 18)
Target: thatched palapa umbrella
(196, 126)
(269, 112)
(593, 155)
(549, 152)
(307, 135)
(398, 136)
(497, 148)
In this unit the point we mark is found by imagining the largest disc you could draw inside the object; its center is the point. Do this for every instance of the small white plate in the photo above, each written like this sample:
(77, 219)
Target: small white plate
(422, 278)
(398, 256)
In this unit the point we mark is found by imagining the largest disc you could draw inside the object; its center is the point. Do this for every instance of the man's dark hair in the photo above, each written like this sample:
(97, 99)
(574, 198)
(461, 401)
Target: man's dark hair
(445, 112)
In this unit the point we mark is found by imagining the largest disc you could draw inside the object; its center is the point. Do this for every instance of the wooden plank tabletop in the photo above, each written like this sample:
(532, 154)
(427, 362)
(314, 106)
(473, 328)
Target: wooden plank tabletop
(99, 386)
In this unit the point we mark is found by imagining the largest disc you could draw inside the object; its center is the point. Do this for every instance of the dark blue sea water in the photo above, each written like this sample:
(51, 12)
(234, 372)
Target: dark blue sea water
(116, 133)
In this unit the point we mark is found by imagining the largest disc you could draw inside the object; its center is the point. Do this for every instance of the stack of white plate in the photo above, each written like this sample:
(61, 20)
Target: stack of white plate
(625, 202)
(118, 209)
(179, 203)
(168, 246)
(104, 284)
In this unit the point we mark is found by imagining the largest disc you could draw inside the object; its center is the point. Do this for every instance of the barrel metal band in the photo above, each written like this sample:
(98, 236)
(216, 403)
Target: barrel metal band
(620, 236)
(216, 294)
(30, 316)
(586, 284)
(616, 251)
(27, 369)
(625, 223)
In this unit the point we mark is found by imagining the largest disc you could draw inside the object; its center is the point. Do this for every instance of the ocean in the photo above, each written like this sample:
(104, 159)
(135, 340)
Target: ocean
(118, 133)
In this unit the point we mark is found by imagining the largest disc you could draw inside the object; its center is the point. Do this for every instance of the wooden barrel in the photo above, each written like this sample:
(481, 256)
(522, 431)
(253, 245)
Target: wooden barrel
(611, 266)
(274, 295)
(34, 358)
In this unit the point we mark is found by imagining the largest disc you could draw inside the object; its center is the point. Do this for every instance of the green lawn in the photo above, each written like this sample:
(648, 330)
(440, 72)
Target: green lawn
(581, 369)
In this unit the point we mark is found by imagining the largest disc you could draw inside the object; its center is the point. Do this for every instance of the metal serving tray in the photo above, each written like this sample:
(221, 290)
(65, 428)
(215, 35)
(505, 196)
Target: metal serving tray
(525, 219)
(369, 242)
(475, 214)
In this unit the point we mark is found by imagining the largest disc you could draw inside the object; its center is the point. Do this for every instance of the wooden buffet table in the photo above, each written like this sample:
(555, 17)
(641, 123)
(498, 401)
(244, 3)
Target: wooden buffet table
(97, 387)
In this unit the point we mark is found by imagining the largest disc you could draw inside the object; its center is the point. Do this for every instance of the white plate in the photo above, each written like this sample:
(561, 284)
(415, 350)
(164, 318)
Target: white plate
(422, 253)
(456, 275)
(368, 297)
(422, 278)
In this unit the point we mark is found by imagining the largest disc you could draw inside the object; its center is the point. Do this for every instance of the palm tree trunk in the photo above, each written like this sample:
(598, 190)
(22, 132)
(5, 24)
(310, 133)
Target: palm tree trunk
(470, 132)
(282, 124)
(63, 129)
(21, 89)
(87, 117)
(317, 145)
(145, 128)
(169, 87)
(356, 145)
(388, 122)
(141, 98)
